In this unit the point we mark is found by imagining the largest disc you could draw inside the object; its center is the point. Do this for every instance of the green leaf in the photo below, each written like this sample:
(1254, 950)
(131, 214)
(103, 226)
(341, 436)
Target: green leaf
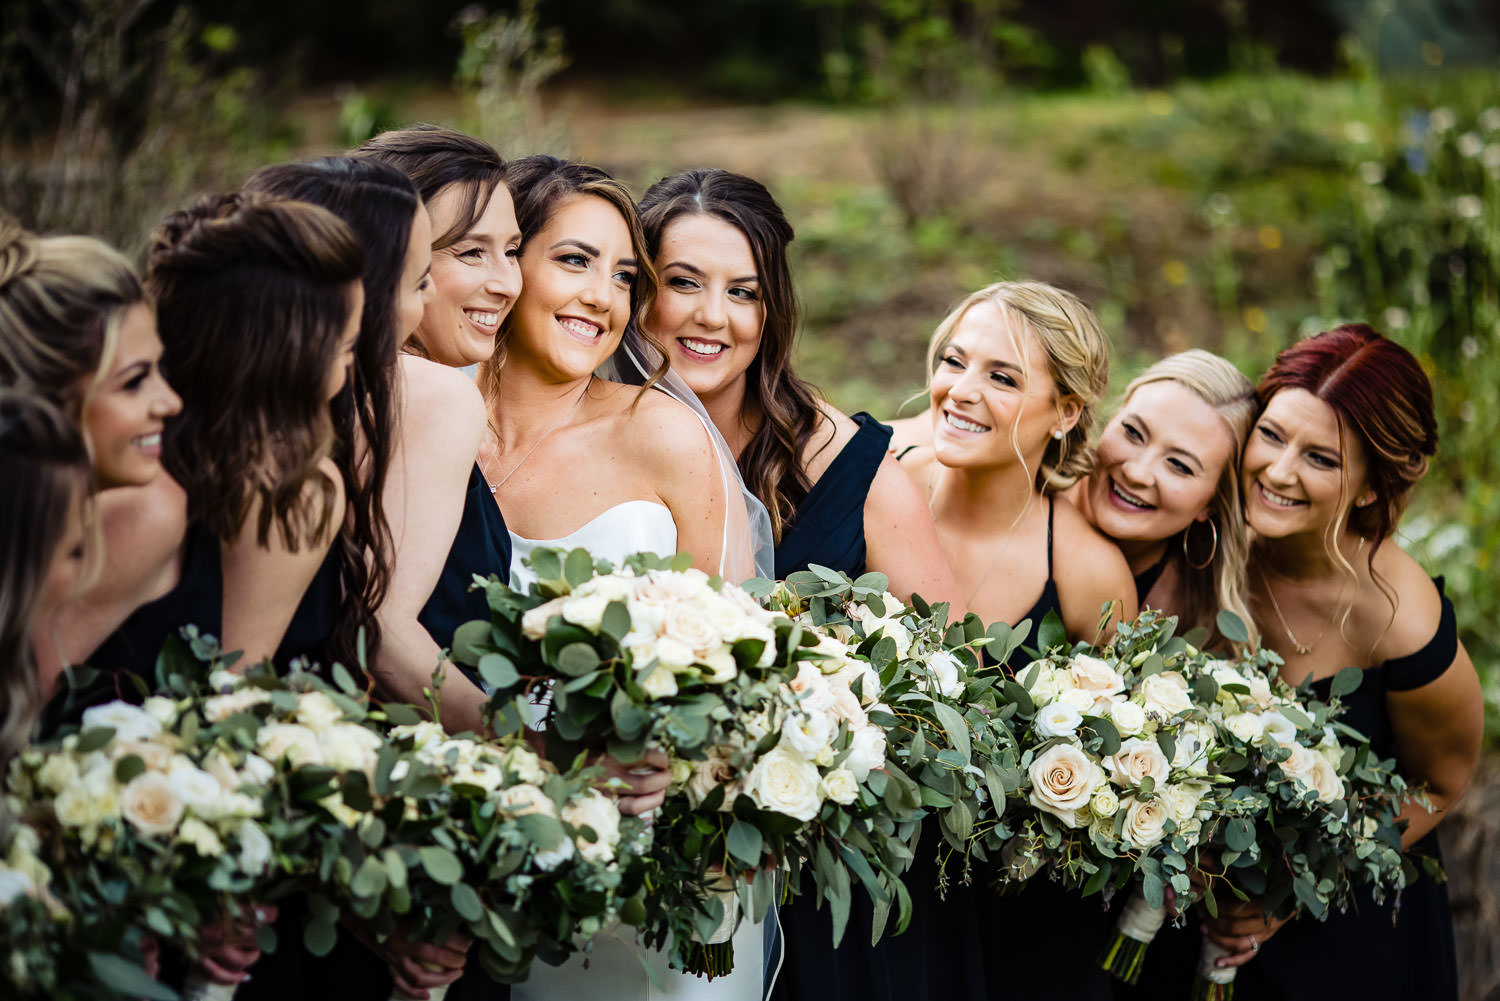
(1346, 681)
(616, 622)
(128, 768)
(345, 680)
(127, 978)
(498, 670)
(745, 843)
(92, 739)
(401, 714)
(578, 567)
(466, 902)
(577, 658)
(954, 726)
(441, 864)
(546, 564)
(1052, 633)
(1239, 834)
(1232, 627)
(319, 936)
(369, 879)
(470, 641)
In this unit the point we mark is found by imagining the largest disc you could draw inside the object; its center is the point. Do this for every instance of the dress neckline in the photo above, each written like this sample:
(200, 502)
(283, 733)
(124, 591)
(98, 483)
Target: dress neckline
(601, 516)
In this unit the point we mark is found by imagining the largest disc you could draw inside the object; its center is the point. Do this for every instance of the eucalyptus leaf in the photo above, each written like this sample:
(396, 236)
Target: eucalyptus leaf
(1232, 627)
(745, 843)
(1345, 682)
(441, 864)
(127, 977)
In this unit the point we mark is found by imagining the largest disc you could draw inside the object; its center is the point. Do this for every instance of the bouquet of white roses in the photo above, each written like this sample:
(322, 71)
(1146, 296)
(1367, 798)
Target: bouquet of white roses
(941, 718)
(770, 746)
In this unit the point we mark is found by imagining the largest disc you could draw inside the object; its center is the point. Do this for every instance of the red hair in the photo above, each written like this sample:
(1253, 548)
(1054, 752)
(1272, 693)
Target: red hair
(1379, 391)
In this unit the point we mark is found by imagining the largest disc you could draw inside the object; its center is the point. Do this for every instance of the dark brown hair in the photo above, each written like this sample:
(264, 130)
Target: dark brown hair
(772, 461)
(435, 159)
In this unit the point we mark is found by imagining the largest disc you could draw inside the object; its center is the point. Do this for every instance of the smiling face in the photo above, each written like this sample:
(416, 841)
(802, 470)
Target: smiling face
(578, 270)
(1301, 472)
(709, 312)
(1159, 463)
(127, 411)
(416, 277)
(984, 387)
(475, 279)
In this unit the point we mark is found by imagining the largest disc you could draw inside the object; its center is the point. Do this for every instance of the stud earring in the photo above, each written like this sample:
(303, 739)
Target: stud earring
(1058, 435)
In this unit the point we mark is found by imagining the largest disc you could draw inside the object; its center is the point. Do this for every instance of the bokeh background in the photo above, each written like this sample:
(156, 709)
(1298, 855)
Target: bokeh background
(1228, 174)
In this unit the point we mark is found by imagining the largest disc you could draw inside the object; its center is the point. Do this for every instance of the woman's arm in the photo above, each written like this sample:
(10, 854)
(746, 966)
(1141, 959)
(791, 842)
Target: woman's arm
(1090, 571)
(442, 424)
(901, 540)
(1438, 729)
(264, 584)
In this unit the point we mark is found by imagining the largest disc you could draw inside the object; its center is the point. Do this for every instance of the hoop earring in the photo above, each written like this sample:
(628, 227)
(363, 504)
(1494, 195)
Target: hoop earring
(1213, 551)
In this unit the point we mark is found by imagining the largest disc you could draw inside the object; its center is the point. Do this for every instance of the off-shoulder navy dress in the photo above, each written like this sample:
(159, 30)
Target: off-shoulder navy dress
(1375, 952)
(481, 546)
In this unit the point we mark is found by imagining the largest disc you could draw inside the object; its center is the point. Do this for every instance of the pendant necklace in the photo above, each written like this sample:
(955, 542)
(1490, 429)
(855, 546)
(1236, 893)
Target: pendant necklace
(1303, 649)
(495, 487)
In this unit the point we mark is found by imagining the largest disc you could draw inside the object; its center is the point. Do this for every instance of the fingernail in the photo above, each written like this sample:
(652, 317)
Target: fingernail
(1221, 963)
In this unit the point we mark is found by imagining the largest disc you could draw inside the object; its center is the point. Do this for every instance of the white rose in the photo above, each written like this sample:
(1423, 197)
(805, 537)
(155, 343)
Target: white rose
(721, 667)
(256, 770)
(198, 790)
(1193, 743)
(1063, 780)
(712, 772)
(296, 743)
(150, 804)
(255, 848)
(534, 621)
(846, 706)
(59, 772)
(526, 765)
(202, 837)
(157, 756)
(809, 732)
(1276, 728)
(1165, 694)
(1040, 681)
(866, 752)
(599, 813)
(1260, 690)
(91, 799)
(1093, 675)
(1136, 760)
(161, 709)
(891, 627)
(1057, 720)
(422, 734)
(1311, 770)
(1182, 799)
(1145, 821)
(1104, 802)
(786, 782)
(1245, 726)
(812, 687)
(485, 776)
(674, 654)
(612, 587)
(220, 707)
(315, 710)
(659, 682)
(1082, 700)
(1128, 717)
(550, 858)
(129, 722)
(349, 747)
(585, 610)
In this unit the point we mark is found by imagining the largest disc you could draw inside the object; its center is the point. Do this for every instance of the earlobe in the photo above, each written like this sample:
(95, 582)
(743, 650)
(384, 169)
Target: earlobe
(1069, 409)
(1365, 499)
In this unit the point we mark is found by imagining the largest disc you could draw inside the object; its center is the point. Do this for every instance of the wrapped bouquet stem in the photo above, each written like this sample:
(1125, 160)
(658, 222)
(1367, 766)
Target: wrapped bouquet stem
(1137, 926)
(1213, 983)
(198, 987)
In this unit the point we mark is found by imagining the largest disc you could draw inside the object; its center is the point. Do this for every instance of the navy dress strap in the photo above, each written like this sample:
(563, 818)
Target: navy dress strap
(1147, 578)
(829, 526)
(1426, 665)
(481, 546)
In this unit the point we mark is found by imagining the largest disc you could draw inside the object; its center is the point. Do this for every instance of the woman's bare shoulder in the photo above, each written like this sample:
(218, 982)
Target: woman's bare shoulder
(1418, 610)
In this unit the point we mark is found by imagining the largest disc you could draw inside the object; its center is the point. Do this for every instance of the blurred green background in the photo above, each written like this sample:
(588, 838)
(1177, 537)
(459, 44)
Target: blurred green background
(1213, 173)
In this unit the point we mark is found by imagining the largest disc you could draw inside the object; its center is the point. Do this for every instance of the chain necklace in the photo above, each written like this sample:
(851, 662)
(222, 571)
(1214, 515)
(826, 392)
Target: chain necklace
(1303, 649)
(495, 487)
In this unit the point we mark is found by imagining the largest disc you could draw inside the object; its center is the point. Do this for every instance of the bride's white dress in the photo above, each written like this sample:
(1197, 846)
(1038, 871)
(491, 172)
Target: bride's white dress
(613, 969)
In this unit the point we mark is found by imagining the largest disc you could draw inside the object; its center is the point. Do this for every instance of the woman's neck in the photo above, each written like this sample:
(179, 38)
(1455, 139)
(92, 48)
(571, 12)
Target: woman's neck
(993, 496)
(736, 416)
(526, 405)
(1141, 554)
(1305, 558)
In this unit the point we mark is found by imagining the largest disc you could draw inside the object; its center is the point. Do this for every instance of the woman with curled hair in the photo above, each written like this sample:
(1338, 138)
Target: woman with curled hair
(1016, 374)
(76, 329)
(1166, 488)
(258, 302)
(47, 475)
(1346, 431)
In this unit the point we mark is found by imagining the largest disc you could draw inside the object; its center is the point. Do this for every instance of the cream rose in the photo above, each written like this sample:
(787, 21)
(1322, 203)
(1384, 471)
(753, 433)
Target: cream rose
(351, 748)
(526, 765)
(866, 752)
(534, 621)
(297, 744)
(846, 706)
(1040, 681)
(1128, 717)
(585, 610)
(1145, 821)
(659, 682)
(1165, 694)
(811, 687)
(1104, 802)
(523, 799)
(150, 804)
(1093, 675)
(316, 711)
(1311, 770)
(1063, 779)
(129, 722)
(198, 790)
(943, 672)
(712, 772)
(220, 707)
(1245, 726)
(599, 813)
(786, 782)
(808, 732)
(202, 837)
(1277, 729)
(1137, 760)
(255, 848)
(840, 786)
(1182, 799)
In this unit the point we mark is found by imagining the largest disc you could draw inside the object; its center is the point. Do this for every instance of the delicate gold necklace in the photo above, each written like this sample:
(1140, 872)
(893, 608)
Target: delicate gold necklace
(1303, 649)
(495, 487)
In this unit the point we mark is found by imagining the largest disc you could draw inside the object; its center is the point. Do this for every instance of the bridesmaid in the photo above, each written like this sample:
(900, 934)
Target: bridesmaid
(1346, 432)
(1016, 373)
(43, 516)
(727, 316)
(1166, 486)
(76, 329)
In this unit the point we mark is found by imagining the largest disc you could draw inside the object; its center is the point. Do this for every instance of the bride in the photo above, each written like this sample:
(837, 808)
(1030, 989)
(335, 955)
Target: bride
(576, 459)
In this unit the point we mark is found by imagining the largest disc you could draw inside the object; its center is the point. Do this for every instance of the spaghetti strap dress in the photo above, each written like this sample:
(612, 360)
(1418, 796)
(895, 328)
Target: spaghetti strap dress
(480, 547)
(1374, 952)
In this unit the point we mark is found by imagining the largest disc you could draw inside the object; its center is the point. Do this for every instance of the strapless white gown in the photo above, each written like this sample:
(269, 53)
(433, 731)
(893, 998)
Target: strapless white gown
(613, 970)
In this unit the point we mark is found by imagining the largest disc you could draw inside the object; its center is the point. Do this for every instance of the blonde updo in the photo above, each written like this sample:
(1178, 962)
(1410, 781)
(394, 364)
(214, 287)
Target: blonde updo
(1077, 357)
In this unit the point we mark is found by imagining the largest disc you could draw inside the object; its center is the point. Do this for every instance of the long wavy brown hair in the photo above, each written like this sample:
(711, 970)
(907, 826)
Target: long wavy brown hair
(252, 299)
(772, 461)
